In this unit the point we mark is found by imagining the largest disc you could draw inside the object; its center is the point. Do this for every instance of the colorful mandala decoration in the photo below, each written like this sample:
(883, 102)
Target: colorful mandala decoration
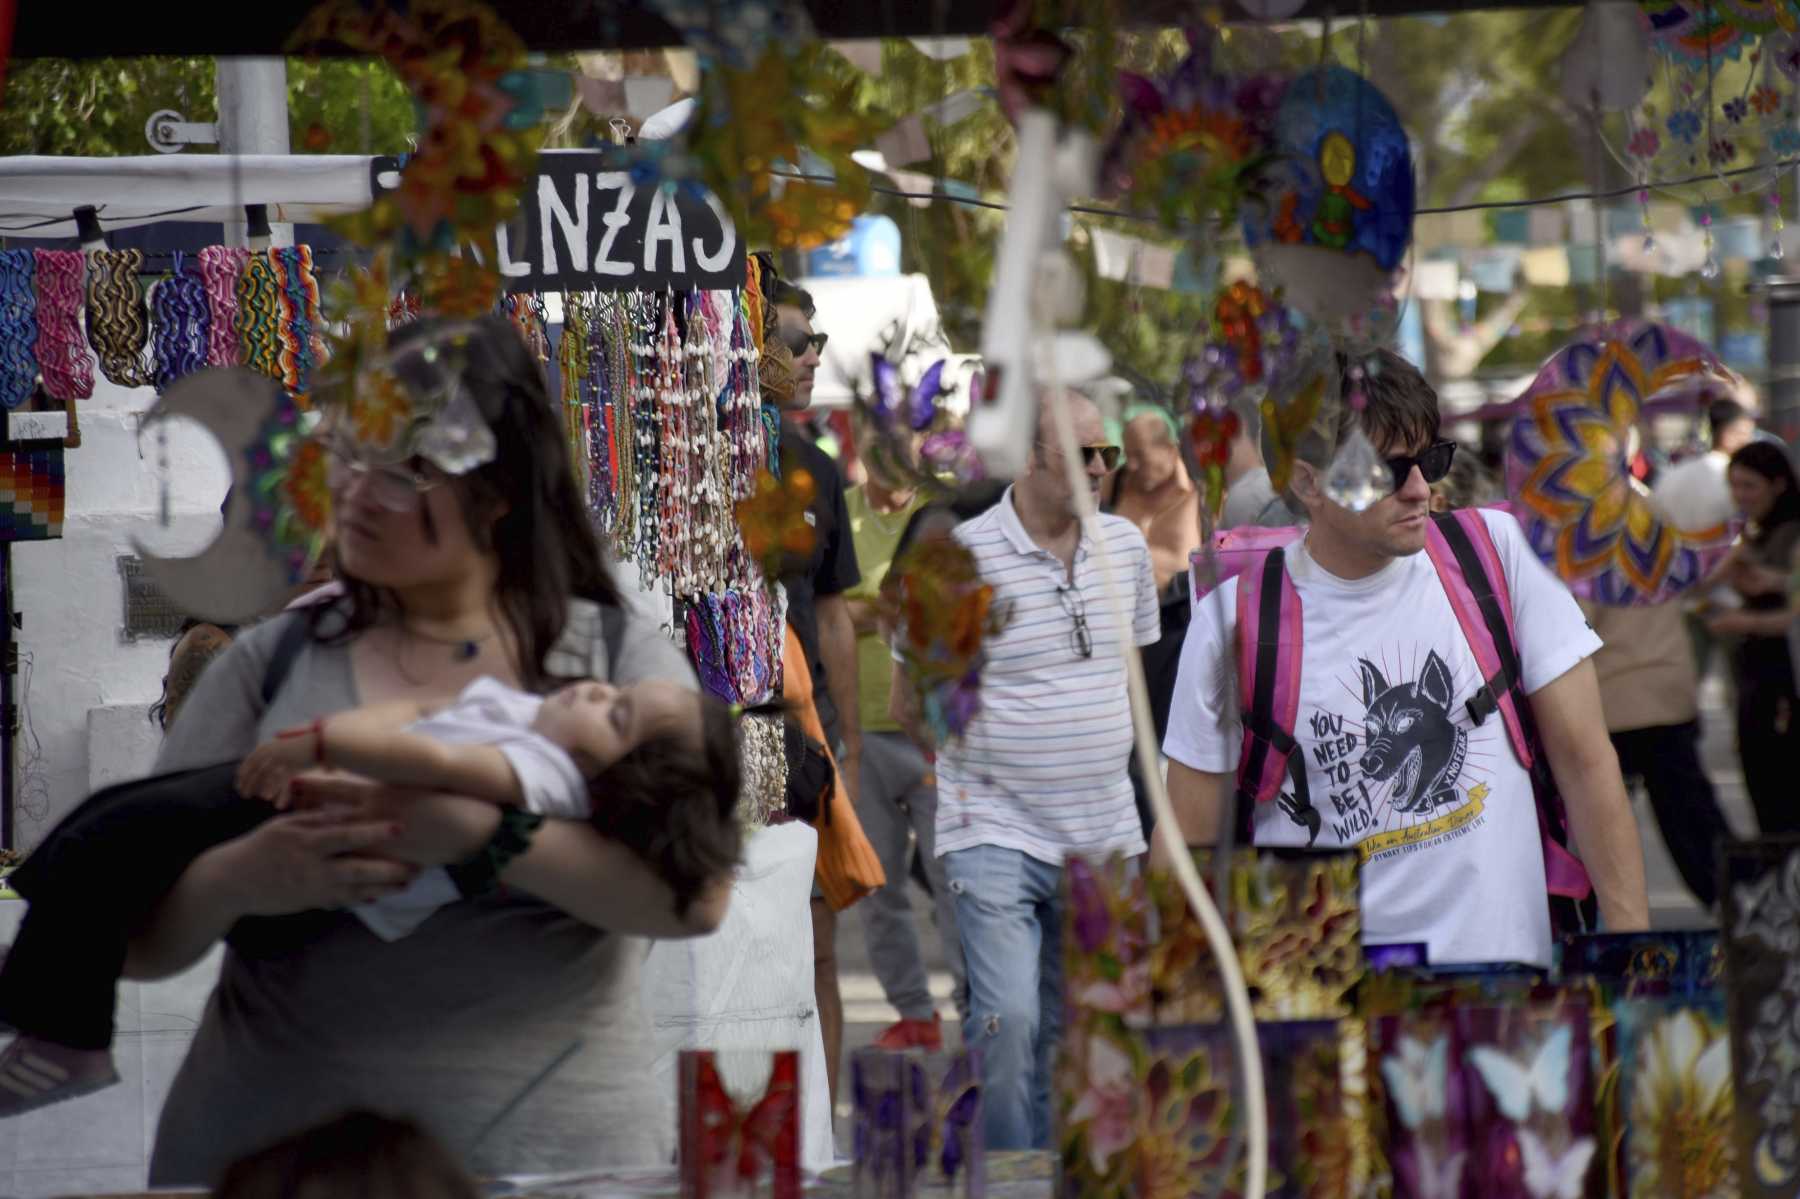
(290, 504)
(479, 106)
(1568, 466)
(1332, 226)
(1190, 144)
(1716, 122)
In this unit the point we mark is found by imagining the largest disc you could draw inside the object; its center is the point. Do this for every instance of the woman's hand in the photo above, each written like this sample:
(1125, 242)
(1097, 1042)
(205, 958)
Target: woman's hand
(265, 773)
(306, 860)
(434, 829)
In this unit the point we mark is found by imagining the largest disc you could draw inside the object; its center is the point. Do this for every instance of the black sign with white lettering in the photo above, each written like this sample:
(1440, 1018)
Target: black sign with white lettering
(584, 226)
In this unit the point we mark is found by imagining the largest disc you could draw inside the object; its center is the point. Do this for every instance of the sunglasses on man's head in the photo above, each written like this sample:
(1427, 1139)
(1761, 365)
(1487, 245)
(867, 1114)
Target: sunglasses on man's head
(1433, 463)
(798, 342)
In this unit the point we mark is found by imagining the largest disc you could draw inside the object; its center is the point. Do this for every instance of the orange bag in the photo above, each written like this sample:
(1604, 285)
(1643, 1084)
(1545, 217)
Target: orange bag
(847, 867)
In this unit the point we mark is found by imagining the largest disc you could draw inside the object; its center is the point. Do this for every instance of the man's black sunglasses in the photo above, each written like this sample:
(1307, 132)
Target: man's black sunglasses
(1433, 463)
(797, 342)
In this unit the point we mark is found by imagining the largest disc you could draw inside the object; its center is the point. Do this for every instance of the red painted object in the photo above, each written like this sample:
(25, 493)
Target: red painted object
(727, 1151)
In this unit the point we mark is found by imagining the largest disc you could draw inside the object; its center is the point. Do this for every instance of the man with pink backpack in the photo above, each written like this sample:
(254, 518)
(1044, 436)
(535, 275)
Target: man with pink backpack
(1415, 687)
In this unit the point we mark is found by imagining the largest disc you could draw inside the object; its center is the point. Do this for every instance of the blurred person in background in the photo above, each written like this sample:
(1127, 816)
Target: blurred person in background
(1250, 497)
(1767, 494)
(1694, 495)
(1468, 485)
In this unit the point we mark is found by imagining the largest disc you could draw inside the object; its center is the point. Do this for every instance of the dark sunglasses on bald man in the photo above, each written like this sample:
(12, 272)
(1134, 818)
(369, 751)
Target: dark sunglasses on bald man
(1109, 455)
(1433, 463)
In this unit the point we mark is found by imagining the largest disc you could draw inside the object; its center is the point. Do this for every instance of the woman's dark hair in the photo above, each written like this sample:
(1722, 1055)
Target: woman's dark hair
(359, 1155)
(1770, 460)
(544, 538)
(965, 503)
(677, 809)
(159, 711)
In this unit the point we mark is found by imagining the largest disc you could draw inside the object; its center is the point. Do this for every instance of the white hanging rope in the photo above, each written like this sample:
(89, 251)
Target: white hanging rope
(1231, 976)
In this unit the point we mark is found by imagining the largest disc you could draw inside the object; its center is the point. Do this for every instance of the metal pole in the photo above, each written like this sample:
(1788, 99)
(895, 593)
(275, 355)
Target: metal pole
(1783, 396)
(253, 119)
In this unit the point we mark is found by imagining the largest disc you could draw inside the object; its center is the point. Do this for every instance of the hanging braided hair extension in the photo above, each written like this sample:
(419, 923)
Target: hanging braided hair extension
(62, 350)
(298, 306)
(18, 327)
(220, 267)
(118, 320)
(180, 324)
(258, 314)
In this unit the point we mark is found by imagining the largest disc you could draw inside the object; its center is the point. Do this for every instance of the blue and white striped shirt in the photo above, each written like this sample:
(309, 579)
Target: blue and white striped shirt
(1042, 768)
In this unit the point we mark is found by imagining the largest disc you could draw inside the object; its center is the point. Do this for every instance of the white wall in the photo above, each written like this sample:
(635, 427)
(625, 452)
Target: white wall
(70, 597)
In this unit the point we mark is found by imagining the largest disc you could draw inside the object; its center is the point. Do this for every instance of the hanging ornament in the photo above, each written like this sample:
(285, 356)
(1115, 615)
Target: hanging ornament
(1568, 465)
(1190, 144)
(943, 614)
(1212, 431)
(1774, 248)
(1357, 478)
(1709, 269)
(1332, 227)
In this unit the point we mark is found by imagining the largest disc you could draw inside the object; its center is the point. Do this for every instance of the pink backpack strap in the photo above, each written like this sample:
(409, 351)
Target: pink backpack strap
(1234, 550)
(1268, 644)
(1462, 550)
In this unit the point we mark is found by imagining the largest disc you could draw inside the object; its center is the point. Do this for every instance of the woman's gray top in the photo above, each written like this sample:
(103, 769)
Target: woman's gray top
(314, 1014)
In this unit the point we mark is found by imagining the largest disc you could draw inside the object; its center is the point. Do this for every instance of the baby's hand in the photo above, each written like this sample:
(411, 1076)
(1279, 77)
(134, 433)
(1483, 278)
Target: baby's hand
(265, 774)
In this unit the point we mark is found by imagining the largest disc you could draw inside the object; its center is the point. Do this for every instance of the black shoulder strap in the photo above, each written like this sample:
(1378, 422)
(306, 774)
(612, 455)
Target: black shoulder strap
(1487, 699)
(294, 635)
(1259, 714)
(612, 635)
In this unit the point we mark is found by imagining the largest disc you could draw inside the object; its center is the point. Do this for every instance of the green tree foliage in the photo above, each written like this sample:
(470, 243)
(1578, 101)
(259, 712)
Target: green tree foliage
(98, 107)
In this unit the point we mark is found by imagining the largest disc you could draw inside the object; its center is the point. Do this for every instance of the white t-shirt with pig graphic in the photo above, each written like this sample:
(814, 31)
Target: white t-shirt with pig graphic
(1439, 809)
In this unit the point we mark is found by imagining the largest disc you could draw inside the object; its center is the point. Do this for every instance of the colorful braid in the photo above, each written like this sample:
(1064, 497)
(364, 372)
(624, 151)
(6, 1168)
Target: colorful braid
(180, 322)
(258, 315)
(18, 327)
(297, 302)
(118, 320)
(62, 350)
(220, 269)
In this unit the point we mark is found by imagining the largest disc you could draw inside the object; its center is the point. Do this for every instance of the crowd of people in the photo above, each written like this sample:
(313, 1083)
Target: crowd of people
(471, 640)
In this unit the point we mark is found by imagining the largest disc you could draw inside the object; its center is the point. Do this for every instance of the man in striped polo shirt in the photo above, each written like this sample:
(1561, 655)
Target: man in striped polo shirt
(1041, 771)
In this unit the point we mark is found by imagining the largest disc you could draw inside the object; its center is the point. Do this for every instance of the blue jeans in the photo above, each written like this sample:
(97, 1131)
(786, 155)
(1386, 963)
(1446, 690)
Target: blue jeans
(1009, 911)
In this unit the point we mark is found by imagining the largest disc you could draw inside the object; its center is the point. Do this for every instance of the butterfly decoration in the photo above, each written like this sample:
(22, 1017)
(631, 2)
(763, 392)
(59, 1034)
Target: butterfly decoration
(915, 437)
(1428, 1173)
(773, 520)
(1568, 467)
(468, 75)
(1549, 1175)
(915, 410)
(1190, 144)
(726, 1149)
(1517, 1084)
(1417, 1078)
(952, 1120)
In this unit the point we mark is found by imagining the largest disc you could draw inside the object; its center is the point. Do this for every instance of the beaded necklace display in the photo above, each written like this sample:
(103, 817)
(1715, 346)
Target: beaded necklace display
(62, 349)
(118, 320)
(572, 372)
(18, 327)
(180, 322)
(618, 417)
(259, 316)
(220, 267)
(647, 440)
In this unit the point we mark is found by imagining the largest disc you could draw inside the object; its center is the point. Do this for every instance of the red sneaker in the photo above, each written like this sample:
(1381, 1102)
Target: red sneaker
(913, 1034)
